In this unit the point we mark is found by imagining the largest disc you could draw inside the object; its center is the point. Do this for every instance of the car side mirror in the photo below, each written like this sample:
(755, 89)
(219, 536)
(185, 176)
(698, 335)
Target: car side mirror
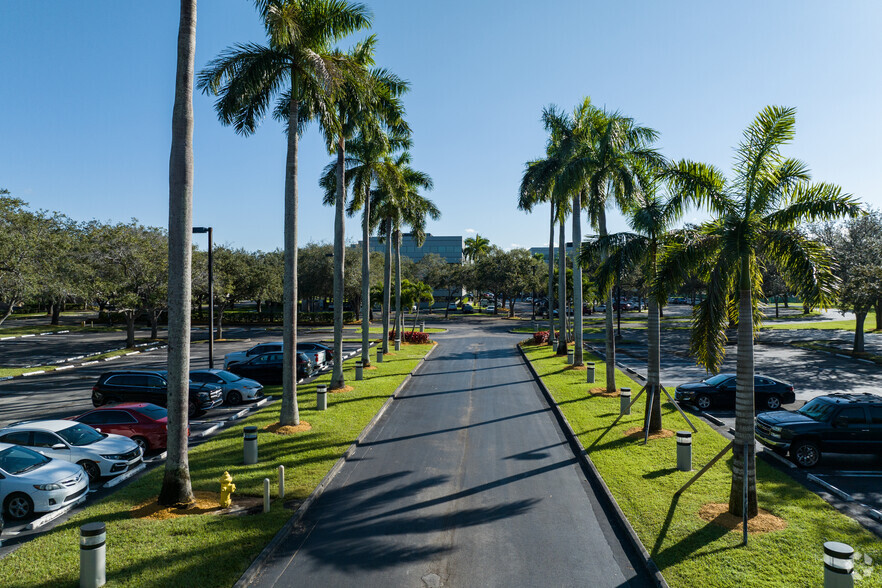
(59, 447)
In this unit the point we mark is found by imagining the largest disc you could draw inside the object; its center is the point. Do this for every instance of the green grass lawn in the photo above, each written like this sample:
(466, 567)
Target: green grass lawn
(12, 330)
(214, 550)
(689, 551)
(845, 325)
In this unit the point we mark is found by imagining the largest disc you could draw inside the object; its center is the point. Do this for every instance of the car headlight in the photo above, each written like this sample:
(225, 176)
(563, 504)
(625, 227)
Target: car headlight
(776, 431)
(203, 395)
(47, 487)
(115, 456)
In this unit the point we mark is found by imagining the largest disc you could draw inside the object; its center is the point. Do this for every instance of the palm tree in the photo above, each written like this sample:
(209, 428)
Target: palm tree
(298, 67)
(757, 217)
(176, 488)
(603, 155)
(476, 247)
(651, 219)
(366, 102)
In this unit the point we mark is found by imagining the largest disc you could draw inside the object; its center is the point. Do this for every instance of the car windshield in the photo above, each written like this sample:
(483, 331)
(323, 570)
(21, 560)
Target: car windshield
(151, 411)
(817, 409)
(718, 379)
(18, 460)
(80, 434)
(228, 377)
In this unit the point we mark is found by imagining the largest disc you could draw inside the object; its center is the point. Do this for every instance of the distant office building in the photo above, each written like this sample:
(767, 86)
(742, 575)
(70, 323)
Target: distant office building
(449, 248)
(544, 250)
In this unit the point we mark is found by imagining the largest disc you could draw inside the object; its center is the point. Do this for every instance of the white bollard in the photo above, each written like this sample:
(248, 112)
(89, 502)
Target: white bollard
(397, 344)
(250, 445)
(321, 397)
(684, 451)
(93, 554)
(625, 401)
(423, 327)
(838, 565)
(266, 496)
(281, 481)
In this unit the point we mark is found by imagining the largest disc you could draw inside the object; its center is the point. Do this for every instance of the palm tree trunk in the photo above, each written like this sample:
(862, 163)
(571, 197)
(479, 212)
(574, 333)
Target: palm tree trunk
(337, 380)
(551, 279)
(176, 488)
(610, 334)
(860, 318)
(366, 281)
(562, 290)
(879, 315)
(398, 322)
(387, 286)
(289, 412)
(744, 406)
(577, 280)
(653, 371)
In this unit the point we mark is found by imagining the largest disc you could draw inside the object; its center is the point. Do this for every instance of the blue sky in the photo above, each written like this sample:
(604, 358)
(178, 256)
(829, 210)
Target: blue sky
(85, 109)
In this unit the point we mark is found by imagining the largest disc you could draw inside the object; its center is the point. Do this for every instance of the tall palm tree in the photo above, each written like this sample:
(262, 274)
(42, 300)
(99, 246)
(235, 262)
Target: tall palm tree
(757, 214)
(603, 158)
(298, 67)
(366, 102)
(176, 488)
(476, 247)
(651, 217)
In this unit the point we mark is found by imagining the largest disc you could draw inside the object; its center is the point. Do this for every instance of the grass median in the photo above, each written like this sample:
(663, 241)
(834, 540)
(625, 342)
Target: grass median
(689, 550)
(215, 549)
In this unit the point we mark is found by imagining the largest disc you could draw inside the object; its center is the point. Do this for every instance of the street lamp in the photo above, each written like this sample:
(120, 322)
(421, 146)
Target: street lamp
(199, 230)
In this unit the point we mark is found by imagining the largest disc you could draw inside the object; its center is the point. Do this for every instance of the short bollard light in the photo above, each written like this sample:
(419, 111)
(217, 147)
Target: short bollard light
(359, 370)
(684, 451)
(226, 490)
(93, 537)
(423, 327)
(571, 354)
(590, 372)
(250, 442)
(625, 401)
(379, 356)
(281, 481)
(266, 496)
(321, 397)
(397, 344)
(838, 565)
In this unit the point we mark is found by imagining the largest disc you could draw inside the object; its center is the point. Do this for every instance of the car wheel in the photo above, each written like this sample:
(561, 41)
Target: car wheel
(806, 454)
(192, 409)
(19, 506)
(234, 398)
(773, 402)
(97, 399)
(91, 469)
(703, 401)
(142, 443)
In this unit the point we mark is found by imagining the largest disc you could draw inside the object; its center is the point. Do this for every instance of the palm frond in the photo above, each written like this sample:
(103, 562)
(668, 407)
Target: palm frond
(814, 202)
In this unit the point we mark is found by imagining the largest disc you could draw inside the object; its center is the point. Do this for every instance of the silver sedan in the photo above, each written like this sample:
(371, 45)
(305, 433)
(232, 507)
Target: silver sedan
(235, 389)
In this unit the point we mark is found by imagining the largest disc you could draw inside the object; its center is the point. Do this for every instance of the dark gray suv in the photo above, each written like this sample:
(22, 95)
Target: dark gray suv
(151, 386)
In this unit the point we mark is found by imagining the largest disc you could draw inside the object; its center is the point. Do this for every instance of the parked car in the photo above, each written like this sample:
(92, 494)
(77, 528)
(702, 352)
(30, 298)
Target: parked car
(491, 308)
(319, 353)
(31, 482)
(234, 387)
(837, 423)
(451, 306)
(144, 423)
(152, 387)
(267, 368)
(100, 454)
(468, 308)
(239, 356)
(719, 390)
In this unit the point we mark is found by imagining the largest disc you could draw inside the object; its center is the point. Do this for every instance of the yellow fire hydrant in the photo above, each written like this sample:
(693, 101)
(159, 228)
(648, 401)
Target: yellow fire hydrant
(226, 490)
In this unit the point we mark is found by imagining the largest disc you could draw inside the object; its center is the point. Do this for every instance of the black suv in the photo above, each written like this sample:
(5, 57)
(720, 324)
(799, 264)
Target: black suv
(838, 423)
(151, 386)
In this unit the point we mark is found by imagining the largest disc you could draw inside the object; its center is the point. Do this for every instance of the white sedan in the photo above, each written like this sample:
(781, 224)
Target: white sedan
(100, 454)
(31, 482)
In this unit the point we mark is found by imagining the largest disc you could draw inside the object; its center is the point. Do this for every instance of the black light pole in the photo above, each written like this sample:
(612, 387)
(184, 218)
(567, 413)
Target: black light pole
(210, 294)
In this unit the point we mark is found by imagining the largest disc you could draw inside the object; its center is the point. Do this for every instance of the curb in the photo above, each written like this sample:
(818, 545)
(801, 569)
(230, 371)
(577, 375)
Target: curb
(254, 569)
(588, 467)
(83, 364)
(843, 495)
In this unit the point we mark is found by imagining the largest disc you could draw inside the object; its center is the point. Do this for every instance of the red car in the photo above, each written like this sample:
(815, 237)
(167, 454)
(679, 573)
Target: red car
(143, 423)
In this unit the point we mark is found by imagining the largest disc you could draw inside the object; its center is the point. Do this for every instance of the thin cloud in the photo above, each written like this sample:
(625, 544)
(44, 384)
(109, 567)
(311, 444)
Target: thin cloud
(471, 231)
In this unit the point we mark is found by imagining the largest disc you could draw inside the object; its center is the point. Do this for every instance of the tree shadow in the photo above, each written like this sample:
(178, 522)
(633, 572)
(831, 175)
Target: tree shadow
(659, 473)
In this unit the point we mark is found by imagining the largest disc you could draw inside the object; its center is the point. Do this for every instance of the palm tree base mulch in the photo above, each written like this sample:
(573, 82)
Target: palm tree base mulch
(342, 390)
(370, 367)
(580, 368)
(279, 429)
(206, 504)
(638, 433)
(718, 514)
(602, 392)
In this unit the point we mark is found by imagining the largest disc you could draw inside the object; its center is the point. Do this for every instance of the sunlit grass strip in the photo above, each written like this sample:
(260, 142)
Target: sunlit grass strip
(5, 372)
(689, 551)
(214, 550)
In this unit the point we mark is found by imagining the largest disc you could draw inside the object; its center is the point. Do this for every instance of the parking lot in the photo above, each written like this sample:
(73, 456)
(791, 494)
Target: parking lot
(68, 393)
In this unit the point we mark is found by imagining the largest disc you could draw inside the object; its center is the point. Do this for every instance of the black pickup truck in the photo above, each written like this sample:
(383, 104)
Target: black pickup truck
(835, 423)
